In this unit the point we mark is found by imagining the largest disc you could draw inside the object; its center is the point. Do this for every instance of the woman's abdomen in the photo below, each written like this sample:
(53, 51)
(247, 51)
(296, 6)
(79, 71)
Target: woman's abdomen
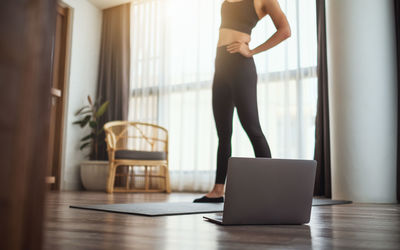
(228, 36)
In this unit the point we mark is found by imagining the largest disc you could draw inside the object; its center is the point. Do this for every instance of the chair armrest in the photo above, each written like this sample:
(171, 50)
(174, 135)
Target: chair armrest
(111, 155)
(111, 141)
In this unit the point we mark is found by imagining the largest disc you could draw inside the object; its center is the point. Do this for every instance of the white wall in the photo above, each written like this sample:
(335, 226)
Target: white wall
(104, 4)
(363, 99)
(85, 51)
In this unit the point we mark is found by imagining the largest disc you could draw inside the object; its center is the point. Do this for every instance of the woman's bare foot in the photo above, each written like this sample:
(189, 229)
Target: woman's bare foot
(217, 191)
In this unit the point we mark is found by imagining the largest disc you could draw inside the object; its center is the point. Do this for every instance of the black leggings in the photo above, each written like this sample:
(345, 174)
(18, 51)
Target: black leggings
(235, 85)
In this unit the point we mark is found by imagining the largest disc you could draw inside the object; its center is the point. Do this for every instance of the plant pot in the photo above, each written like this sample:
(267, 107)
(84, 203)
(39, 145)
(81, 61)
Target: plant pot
(94, 175)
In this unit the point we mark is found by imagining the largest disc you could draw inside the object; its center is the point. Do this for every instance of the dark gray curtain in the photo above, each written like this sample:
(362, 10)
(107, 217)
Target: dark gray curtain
(397, 19)
(322, 141)
(113, 83)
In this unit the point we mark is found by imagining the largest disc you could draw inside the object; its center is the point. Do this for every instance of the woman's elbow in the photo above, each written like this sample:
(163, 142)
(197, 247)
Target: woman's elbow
(286, 33)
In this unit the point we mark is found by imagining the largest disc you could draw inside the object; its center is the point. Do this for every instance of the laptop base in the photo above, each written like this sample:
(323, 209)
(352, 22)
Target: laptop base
(214, 218)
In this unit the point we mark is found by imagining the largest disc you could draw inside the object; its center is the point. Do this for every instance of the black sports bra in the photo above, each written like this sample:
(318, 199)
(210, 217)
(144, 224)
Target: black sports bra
(240, 16)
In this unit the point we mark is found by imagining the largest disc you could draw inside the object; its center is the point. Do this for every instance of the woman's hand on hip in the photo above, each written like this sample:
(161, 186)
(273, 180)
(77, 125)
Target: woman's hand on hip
(240, 47)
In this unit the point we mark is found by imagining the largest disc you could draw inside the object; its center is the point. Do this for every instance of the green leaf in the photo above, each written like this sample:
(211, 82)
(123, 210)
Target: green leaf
(87, 112)
(77, 122)
(81, 109)
(93, 124)
(84, 145)
(85, 121)
(102, 109)
(89, 136)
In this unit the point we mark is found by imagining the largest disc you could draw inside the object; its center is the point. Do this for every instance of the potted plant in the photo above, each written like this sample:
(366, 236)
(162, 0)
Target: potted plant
(93, 172)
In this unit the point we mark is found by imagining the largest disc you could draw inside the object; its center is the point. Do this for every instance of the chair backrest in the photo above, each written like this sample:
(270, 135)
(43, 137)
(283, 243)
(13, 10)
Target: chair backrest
(125, 135)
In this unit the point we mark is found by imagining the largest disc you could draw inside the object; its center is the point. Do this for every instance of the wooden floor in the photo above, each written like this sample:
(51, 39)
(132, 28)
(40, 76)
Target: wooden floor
(354, 226)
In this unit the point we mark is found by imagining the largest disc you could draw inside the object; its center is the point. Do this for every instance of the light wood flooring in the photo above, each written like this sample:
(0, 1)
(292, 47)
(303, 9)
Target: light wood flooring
(354, 226)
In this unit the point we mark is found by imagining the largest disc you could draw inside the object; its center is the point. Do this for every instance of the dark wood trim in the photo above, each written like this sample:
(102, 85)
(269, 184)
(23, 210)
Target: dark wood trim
(66, 11)
(62, 10)
(60, 83)
(26, 28)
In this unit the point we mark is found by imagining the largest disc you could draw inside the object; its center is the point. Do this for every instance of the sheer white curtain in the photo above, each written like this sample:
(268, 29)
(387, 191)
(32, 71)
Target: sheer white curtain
(173, 52)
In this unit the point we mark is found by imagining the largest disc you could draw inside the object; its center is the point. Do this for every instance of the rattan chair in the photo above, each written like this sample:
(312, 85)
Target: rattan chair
(142, 149)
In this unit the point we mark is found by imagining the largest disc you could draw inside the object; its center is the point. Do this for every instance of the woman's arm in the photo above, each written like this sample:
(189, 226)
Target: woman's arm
(282, 33)
(281, 23)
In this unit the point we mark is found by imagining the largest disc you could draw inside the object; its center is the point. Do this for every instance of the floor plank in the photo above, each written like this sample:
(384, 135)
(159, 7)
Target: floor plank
(353, 226)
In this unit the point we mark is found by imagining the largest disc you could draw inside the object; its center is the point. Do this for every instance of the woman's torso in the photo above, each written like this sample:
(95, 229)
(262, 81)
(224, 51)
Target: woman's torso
(253, 11)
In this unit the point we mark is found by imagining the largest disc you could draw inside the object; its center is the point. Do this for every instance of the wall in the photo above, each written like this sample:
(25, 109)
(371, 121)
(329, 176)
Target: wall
(363, 99)
(104, 4)
(84, 59)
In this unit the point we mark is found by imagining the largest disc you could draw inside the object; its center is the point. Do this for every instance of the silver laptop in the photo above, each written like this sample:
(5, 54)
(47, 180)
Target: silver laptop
(264, 191)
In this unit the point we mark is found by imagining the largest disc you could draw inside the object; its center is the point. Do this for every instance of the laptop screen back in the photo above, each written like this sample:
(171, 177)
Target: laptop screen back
(269, 191)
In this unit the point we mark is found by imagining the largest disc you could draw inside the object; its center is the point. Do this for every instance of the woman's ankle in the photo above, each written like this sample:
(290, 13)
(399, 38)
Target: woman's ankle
(219, 188)
(214, 194)
(217, 191)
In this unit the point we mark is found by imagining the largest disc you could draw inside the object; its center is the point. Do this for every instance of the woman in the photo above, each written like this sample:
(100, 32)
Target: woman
(235, 79)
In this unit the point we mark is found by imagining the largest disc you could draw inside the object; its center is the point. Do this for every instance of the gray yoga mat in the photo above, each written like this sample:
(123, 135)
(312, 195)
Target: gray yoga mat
(328, 202)
(177, 208)
(158, 208)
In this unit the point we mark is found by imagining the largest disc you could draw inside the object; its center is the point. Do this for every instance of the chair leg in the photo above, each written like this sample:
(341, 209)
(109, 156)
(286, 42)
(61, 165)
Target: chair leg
(127, 178)
(111, 178)
(132, 184)
(167, 182)
(149, 175)
(146, 179)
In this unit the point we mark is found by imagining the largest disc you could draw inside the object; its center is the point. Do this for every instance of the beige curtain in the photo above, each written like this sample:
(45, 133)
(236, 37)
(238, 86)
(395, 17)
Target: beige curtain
(114, 68)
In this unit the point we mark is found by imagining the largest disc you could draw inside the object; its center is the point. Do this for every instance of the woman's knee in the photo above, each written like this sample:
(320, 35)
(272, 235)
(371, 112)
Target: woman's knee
(224, 135)
(224, 140)
(254, 132)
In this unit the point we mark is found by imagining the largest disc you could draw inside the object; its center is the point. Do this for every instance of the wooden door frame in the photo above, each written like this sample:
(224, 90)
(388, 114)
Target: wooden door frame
(64, 105)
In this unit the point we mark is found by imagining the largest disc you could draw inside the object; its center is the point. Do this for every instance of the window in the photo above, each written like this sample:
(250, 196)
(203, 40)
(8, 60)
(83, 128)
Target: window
(173, 52)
